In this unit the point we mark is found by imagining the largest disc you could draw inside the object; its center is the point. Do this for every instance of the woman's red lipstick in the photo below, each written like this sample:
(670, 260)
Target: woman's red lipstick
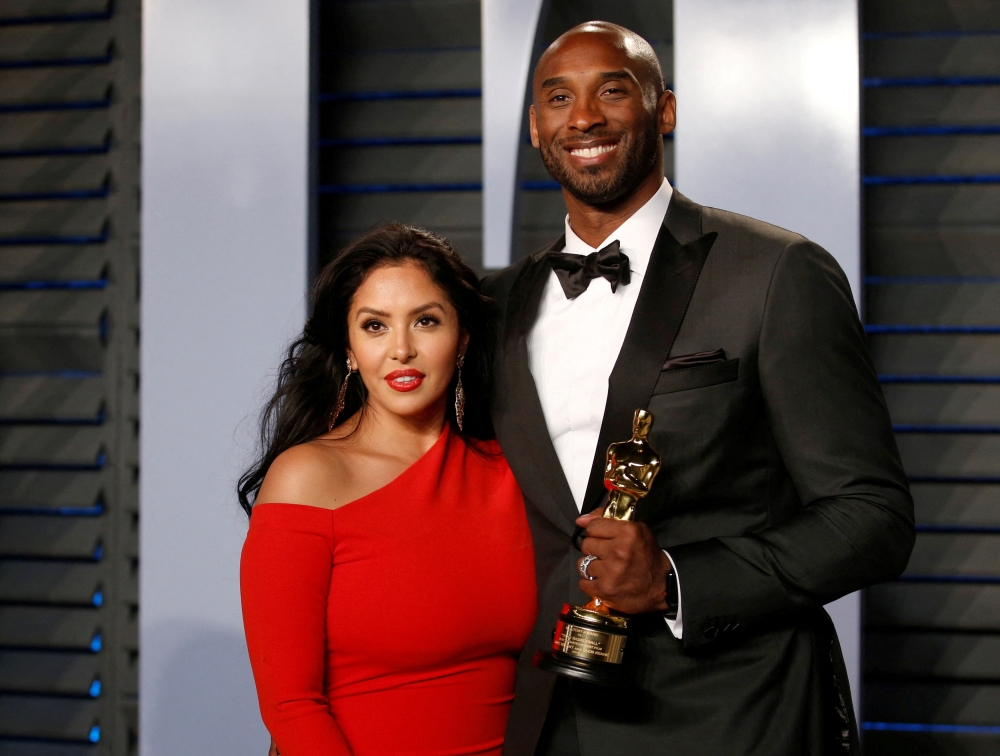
(405, 380)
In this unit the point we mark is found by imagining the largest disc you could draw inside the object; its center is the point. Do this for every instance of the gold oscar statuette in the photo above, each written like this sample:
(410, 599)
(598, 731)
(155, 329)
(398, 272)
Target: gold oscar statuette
(589, 641)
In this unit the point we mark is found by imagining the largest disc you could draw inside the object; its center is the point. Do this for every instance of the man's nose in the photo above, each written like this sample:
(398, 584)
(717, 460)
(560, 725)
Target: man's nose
(586, 114)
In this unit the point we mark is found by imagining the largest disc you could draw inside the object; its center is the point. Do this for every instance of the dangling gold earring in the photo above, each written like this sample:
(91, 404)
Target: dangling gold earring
(460, 394)
(341, 396)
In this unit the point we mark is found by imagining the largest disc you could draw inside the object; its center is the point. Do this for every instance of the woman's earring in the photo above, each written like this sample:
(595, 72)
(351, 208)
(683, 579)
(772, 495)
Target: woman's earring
(460, 394)
(341, 397)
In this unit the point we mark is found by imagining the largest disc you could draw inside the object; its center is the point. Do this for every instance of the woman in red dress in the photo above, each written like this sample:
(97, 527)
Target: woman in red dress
(387, 578)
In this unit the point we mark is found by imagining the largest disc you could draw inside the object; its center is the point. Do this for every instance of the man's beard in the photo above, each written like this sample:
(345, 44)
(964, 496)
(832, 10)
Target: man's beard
(598, 185)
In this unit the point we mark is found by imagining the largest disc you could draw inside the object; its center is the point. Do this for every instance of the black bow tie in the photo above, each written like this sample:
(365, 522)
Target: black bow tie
(575, 272)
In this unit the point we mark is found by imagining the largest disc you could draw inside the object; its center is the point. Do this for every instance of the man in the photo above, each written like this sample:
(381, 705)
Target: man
(781, 487)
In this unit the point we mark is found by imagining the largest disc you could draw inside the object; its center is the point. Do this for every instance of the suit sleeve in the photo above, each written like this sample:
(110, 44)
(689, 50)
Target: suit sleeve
(830, 425)
(284, 583)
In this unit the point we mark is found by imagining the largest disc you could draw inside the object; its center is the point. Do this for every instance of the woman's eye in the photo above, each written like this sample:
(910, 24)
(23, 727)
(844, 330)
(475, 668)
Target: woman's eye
(373, 326)
(427, 320)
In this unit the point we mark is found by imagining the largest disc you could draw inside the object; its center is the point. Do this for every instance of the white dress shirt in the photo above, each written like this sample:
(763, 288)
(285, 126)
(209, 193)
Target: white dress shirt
(574, 344)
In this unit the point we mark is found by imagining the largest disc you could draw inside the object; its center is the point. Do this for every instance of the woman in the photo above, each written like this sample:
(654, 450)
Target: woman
(387, 578)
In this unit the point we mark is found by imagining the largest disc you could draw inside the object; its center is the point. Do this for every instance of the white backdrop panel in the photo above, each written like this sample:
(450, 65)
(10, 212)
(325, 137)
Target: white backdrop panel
(508, 34)
(224, 218)
(769, 126)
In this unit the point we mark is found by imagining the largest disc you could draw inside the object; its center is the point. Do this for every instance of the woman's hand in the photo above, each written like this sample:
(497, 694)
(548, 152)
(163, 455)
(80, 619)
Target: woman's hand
(273, 751)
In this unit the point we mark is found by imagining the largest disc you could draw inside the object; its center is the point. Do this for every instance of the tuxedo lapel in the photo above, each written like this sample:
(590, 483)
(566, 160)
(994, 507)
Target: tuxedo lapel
(519, 419)
(667, 286)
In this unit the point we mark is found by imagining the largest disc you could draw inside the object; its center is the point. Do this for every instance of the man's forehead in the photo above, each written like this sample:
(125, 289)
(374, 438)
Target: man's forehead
(588, 56)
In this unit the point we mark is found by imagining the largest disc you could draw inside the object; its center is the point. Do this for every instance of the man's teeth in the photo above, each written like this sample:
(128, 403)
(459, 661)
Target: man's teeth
(589, 152)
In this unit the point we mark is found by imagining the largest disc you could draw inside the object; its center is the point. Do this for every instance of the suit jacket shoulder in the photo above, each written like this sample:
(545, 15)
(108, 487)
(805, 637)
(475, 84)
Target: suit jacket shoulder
(757, 232)
(748, 246)
(499, 284)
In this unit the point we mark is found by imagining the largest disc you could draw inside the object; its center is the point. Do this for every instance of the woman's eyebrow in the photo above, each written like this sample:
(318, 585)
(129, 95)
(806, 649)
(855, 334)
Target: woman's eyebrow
(428, 306)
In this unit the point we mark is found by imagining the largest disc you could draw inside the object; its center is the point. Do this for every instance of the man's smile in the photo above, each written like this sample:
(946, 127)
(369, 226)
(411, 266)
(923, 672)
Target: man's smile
(592, 151)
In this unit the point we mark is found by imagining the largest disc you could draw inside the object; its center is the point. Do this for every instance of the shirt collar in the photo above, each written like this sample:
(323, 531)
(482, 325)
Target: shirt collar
(637, 235)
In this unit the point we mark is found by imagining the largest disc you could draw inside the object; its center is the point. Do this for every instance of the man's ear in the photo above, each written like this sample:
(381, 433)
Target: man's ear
(666, 112)
(533, 126)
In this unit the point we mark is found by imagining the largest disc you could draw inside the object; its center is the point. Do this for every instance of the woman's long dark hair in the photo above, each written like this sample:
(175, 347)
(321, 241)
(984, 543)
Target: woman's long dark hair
(316, 363)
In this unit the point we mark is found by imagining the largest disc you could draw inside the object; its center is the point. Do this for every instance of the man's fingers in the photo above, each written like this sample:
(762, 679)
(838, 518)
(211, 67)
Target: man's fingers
(602, 548)
(602, 528)
(582, 520)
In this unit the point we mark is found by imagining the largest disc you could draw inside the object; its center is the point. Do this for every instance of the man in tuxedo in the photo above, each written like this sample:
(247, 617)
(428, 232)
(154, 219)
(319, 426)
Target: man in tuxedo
(781, 487)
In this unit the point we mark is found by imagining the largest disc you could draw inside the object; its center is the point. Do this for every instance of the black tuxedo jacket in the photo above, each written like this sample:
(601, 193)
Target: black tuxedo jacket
(781, 490)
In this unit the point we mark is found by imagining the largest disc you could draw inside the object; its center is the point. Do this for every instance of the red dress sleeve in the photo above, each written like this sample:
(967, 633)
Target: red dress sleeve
(284, 584)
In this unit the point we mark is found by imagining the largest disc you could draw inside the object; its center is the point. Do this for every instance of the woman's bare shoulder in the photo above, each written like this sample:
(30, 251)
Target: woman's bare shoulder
(315, 473)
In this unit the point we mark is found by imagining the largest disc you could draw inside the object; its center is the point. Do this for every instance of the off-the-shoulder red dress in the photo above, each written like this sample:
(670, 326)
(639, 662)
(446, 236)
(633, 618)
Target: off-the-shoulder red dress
(392, 625)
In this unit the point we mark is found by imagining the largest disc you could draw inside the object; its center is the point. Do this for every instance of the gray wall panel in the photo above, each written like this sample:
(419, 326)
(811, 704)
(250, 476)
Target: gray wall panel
(944, 606)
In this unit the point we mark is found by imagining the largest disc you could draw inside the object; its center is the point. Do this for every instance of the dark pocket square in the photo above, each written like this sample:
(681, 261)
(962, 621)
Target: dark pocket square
(695, 360)
(697, 376)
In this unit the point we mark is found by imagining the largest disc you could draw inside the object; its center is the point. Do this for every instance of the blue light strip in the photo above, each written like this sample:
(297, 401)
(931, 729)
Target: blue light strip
(959, 529)
(870, 36)
(92, 283)
(53, 741)
(97, 419)
(98, 464)
(931, 329)
(976, 579)
(395, 188)
(414, 94)
(468, 186)
(944, 728)
(932, 81)
(939, 379)
(93, 646)
(888, 131)
(42, 107)
(61, 18)
(955, 479)
(61, 374)
(29, 152)
(99, 60)
(70, 194)
(973, 429)
(94, 558)
(41, 241)
(541, 186)
(93, 511)
(888, 280)
(986, 178)
(399, 50)
(398, 141)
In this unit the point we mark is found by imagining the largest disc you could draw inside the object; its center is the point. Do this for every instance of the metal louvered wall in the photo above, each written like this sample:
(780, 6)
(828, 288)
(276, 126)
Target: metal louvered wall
(69, 157)
(400, 129)
(932, 172)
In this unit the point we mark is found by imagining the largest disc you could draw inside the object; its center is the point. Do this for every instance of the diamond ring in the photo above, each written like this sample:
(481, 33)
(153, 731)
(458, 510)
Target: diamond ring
(584, 564)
